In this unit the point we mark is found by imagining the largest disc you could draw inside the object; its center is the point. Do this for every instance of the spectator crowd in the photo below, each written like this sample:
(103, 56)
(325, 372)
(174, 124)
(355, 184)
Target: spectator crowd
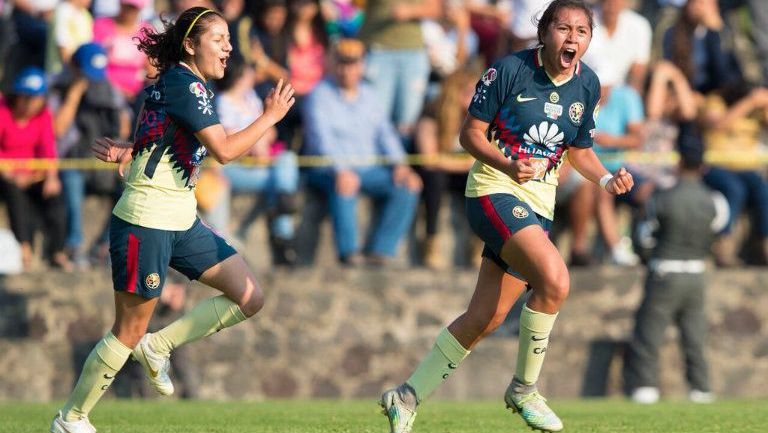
(382, 87)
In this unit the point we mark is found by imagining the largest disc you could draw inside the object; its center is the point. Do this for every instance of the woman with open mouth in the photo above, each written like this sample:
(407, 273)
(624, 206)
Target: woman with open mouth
(530, 111)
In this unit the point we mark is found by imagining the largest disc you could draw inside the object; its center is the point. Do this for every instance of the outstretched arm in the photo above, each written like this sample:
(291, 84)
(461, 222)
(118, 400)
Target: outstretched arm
(226, 148)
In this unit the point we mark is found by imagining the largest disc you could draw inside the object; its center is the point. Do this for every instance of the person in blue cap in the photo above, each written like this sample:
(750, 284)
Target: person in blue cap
(26, 131)
(86, 107)
(155, 225)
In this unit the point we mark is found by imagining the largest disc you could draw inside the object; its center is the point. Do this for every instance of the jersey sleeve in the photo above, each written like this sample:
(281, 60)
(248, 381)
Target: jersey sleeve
(586, 133)
(492, 89)
(189, 103)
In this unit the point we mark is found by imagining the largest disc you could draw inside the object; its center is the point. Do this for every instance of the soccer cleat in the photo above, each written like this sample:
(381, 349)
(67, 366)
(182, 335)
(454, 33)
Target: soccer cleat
(155, 365)
(399, 413)
(59, 425)
(534, 410)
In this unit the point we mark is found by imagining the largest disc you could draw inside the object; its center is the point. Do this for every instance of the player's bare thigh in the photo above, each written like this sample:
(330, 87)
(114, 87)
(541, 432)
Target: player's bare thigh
(234, 279)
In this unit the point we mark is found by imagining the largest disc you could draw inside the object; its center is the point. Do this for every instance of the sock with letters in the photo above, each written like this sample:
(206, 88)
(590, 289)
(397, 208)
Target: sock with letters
(534, 338)
(209, 316)
(440, 362)
(99, 370)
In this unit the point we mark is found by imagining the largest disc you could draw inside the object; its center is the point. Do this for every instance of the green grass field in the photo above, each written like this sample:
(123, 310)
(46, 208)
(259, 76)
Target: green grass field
(154, 416)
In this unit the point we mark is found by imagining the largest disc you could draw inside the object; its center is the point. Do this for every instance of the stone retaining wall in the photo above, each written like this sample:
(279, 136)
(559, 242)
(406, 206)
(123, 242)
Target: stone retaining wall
(350, 333)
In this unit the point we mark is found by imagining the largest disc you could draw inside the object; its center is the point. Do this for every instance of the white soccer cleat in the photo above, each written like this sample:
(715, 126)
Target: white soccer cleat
(400, 414)
(59, 425)
(645, 395)
(155, 365)
(534, 411)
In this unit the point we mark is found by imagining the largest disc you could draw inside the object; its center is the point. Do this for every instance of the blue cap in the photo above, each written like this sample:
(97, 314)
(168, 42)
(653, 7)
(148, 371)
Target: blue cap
(30, 81)
(91, 59)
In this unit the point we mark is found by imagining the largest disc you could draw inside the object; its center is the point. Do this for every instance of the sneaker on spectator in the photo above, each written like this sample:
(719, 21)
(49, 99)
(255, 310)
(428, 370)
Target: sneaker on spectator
(701, 397)
(623, 255)
(645, 395)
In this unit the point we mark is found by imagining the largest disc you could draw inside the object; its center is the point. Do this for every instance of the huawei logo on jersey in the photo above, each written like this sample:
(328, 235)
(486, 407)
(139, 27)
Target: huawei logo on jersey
(545, 134)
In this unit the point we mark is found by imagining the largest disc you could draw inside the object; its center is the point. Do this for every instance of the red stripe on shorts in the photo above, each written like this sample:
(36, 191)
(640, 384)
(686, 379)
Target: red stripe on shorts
(132, 264)
(494, 217)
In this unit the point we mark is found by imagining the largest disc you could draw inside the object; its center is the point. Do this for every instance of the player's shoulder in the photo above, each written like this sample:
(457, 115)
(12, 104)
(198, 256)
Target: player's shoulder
(513, 61)
(587, 75)
(179, 76)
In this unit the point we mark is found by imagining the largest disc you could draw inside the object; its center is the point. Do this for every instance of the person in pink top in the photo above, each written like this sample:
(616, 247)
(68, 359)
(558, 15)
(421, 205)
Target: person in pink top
(26, 132)
(127, 66)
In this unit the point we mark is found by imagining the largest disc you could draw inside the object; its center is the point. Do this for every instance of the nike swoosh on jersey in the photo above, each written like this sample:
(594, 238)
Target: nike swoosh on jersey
(520, 98)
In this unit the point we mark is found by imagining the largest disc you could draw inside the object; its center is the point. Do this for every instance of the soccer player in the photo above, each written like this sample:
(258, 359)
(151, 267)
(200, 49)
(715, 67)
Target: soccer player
(530, 111)
(154, 224)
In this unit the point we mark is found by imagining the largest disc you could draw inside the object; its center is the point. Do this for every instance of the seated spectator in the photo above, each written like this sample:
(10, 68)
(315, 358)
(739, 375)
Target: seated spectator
(26, 131)
(87, 107)
(344, 122)
(619, 127)
(437, 142)
(694, 45)
(126, 66)
(734, 124)
(450, 40)
(238, 105)
(489, 20)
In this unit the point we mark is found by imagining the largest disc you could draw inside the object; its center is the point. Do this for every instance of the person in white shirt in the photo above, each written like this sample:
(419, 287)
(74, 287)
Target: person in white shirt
(623, 36)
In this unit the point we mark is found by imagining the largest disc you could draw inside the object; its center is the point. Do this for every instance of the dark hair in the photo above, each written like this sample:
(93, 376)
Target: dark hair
(549, 15)
(318, 22)
(167, 48)
(233, 72)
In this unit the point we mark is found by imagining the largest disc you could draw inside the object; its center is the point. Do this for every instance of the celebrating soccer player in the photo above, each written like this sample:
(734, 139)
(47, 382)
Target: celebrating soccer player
(530, 111)
(154, 224)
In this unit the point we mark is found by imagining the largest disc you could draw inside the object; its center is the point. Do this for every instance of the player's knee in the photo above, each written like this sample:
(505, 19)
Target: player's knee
(556, 286)
(128, 333)
(255, 301)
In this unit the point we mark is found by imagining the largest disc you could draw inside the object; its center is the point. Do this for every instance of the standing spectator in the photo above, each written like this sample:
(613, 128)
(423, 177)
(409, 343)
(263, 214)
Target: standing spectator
(87, 106)
(685, 219)
(397, 63)
(619, 27)
(238, 106)
(126, 66)
(344, 122)
(26, 131)
(72, 26)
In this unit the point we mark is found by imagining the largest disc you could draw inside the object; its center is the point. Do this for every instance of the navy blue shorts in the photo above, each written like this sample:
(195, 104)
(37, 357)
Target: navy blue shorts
(495, 218)
(140, 255)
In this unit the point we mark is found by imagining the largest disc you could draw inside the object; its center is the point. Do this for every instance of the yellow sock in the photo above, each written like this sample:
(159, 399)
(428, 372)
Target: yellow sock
(209, 316)
(534, 337)
(99, 370)
(445, 356)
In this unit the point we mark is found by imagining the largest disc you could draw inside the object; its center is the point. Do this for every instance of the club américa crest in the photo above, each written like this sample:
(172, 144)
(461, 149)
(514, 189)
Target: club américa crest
(152, 281)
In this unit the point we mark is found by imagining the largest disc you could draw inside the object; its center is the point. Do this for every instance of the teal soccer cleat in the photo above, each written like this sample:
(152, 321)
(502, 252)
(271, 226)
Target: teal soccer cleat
(534, 410)
(399, 413)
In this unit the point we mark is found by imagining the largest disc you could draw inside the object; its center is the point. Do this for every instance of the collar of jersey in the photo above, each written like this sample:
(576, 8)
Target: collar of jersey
(540, 63)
